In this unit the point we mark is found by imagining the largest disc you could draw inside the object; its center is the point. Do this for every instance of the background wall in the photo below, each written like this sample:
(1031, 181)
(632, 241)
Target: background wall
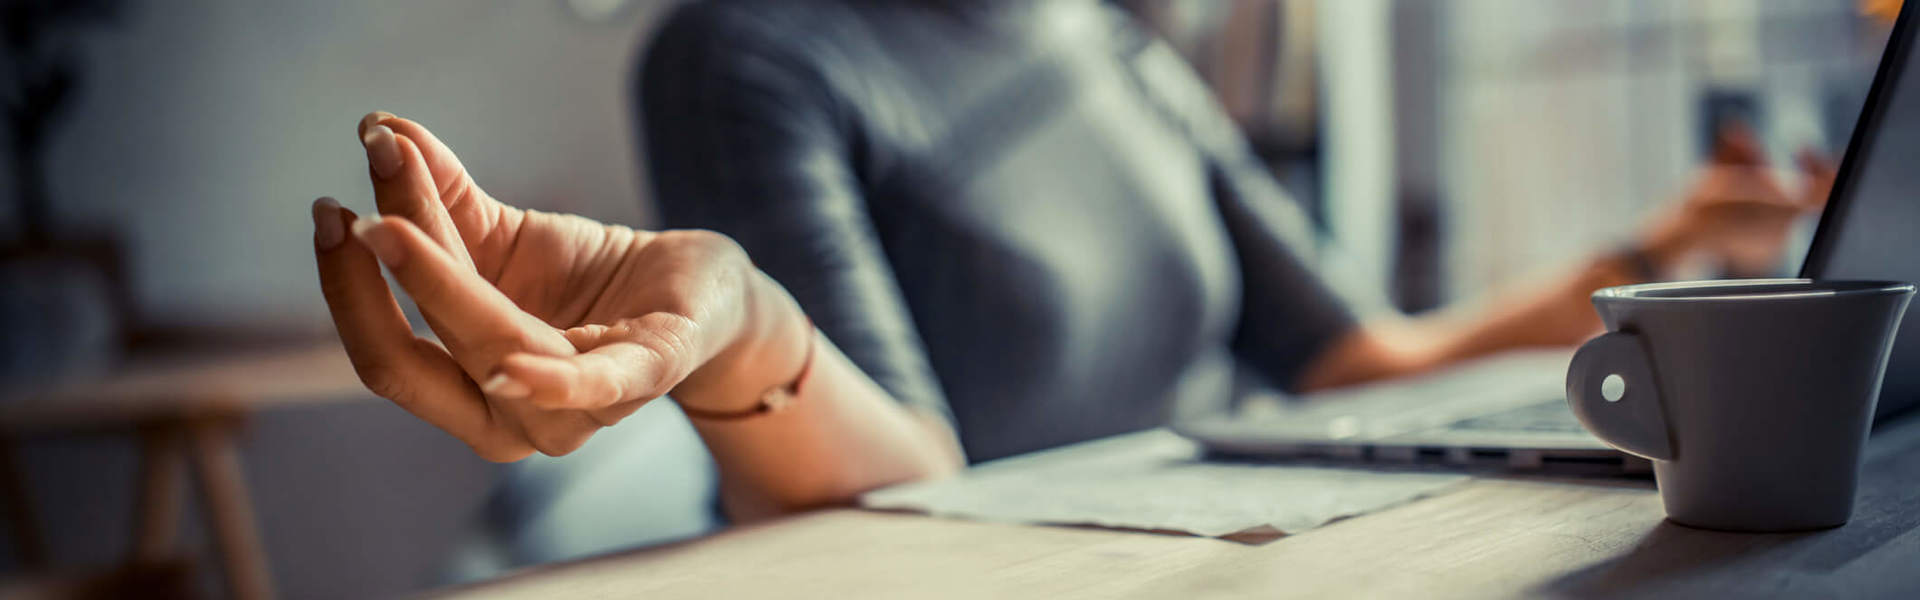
(207, 126)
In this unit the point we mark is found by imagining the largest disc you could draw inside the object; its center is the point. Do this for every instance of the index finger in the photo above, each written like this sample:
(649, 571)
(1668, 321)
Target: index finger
(413, 373)
(475, 317)
(474, 212)
(403, 187)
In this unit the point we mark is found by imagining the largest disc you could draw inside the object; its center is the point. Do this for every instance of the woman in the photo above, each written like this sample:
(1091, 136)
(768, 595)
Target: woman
(1022, 283)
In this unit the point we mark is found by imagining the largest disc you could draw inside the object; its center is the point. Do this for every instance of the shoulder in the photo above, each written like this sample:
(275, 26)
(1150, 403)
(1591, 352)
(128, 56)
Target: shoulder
(1173, 87)
(727, 36)
(721, 19)
(761, 56)
(1167, 81)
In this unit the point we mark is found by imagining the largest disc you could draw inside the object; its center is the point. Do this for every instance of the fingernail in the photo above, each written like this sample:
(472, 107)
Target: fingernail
(504, 387)
(383, 151)
(382, 243)
(327, 230)
(372, 119)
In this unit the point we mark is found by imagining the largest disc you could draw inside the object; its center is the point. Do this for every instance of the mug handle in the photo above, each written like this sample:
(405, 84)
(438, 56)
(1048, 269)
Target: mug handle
(1634, 421)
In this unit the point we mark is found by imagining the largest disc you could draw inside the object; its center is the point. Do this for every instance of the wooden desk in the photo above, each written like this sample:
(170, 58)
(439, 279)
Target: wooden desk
(1495, 537)
(186, 406)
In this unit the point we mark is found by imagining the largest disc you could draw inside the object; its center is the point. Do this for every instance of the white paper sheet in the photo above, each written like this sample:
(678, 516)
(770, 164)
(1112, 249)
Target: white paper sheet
(1153, 480)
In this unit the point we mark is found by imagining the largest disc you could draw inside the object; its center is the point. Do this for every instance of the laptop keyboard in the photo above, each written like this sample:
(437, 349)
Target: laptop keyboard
(1546, 417)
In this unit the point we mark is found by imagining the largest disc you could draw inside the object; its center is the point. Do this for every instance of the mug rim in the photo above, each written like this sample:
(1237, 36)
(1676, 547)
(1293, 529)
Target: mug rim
(1820, 288)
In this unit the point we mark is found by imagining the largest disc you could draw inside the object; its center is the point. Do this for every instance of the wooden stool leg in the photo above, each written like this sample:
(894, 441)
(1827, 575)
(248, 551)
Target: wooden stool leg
(156, 516)
(28, 542)
(229, 511)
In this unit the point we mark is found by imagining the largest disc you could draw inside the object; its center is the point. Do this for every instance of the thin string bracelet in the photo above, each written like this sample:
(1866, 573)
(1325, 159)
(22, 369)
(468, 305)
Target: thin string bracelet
(774, 399)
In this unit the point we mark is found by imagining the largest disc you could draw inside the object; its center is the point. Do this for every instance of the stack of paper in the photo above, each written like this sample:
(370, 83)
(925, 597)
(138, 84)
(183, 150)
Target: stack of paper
(1154, 480)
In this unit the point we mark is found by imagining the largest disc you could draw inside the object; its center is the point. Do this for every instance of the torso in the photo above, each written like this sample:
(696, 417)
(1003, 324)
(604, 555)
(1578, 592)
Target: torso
(1053, 234)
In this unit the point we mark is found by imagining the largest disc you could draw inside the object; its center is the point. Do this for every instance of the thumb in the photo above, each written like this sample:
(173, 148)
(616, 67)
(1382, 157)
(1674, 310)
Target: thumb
(633, 359)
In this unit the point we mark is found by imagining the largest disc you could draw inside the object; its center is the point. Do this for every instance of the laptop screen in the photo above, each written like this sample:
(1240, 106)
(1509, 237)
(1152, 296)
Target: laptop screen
(1871, 227)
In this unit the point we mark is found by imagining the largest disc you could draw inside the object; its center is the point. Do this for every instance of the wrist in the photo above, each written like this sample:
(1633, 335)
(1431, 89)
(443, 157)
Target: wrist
(767, 350)
(1633, 263)
(1666, 245)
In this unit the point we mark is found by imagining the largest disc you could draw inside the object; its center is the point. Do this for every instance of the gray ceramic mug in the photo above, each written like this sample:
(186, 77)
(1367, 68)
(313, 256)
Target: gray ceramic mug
(1751, 397)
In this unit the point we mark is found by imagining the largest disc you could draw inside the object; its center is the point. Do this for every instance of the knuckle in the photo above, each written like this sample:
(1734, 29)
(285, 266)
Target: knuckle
(706, 239)
(613, 415)
(502, 441)
(562, 399)
(718, 247)
(605, 388)
(380, 378)
(552, 441)
(606, 418)
(584, 336)
(502, 453)
(619, 388)
(719, 259)
(458, 191)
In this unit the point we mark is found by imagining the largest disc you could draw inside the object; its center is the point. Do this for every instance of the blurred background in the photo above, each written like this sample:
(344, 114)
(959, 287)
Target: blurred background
(162, 156)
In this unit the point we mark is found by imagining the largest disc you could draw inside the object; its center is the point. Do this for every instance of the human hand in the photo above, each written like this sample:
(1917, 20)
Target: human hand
(553, 325)
(1736, 211)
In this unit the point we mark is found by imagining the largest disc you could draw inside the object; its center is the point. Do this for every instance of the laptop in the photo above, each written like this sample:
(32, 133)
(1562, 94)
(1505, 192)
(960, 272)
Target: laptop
(1510, 411)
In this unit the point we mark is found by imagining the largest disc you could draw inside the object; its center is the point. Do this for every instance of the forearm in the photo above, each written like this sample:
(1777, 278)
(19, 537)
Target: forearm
(1557, 312)
(841, 435)
(1734, 201)
(1735, 213)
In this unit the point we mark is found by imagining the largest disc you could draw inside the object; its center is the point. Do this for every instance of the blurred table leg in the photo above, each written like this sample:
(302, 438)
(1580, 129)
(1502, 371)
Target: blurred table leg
(157, 514)
(27, 542)
(229, 510)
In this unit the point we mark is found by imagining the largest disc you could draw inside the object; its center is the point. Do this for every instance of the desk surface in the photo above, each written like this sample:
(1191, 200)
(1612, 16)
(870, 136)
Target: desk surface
(1493, 537)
